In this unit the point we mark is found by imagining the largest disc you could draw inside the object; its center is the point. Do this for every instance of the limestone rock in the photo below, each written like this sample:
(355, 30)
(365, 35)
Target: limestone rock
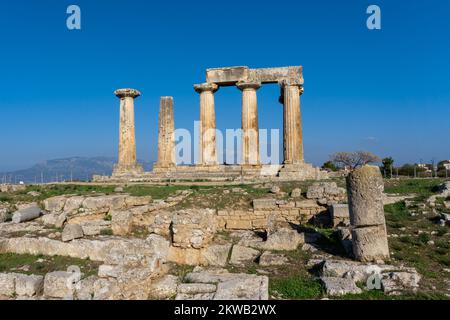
(339, 286)
(193, 228)
(395, 282)
(27, 214)
(284, 239)
(261, 204)
(29, 285)
(230, 286)
(340, 214)
(94, 227)
(137, 201)
(50, 219)
(251, 287)
(196, 288)
(62, 218)
(272, 259)
(370, 244)
(365, 196)
(326, 190)
(275, 190)
(296, 193)
(73, 204)
(184, 256)
(121, 222)
(164, 288)
(216, 255)
(71, 232)
(242, 255)
(54, 204)
(7, 284)
(4, 210)
(198, 296)
(60, 284)
(161, 223)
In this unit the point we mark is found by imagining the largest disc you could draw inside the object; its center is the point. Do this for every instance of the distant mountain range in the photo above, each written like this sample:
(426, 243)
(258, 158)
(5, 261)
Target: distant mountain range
(68, 169)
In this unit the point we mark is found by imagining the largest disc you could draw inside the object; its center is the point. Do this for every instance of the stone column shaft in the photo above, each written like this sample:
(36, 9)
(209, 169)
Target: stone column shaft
(365, 197)
(127, 141)
(166, 138)
(292, 124)
(207, 145)
(250, 129)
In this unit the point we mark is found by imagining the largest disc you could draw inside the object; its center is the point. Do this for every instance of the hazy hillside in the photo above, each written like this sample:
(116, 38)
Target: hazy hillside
(75, 168)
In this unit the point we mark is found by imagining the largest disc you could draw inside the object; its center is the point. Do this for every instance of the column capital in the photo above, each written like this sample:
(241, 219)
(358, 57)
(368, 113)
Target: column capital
(206, 87)
(248, 85)
(291, 82)
(123, 93)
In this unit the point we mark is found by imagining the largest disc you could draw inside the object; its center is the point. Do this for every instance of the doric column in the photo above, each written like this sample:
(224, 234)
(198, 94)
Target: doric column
(207, 145)
(166, 143)
(250, 130)
(127, 163)
(292, 123)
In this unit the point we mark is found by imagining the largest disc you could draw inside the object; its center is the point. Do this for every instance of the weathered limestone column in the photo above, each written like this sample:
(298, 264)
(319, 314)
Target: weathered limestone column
(207, 156)
(250, 130)
(365, 197)
(292, 122)
(127, 163)
(166, 143)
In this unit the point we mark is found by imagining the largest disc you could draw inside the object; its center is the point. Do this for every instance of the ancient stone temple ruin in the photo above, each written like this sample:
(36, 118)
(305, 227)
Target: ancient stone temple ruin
(248, 81)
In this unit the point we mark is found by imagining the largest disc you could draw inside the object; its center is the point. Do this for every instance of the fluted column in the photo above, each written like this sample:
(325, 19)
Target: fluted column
(292, 123)
(250, 130)
(127, 163)
(207, 156)
(166, 143)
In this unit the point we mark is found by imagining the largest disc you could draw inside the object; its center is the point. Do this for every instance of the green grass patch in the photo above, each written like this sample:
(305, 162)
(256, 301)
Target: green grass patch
(421, 187)
(156, 192)
(296, 287)
(40, 265)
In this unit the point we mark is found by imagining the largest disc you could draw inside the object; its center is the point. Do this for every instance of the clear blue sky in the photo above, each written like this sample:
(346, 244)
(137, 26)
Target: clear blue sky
(386, 91)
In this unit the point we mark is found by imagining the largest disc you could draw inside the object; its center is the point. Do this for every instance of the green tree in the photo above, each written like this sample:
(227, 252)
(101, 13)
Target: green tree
(388, 166)
(329, 165)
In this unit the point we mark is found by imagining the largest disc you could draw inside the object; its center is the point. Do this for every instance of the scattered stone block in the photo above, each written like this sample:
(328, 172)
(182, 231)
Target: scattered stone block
(95, 227)
(249, 287)
(339, 286)
(29, 285)
(7, 284)
(164, 287)
(71, 232)
(296, 193)
(54, 204)
(121, 222)
(272, 259)
(275, 190)
(284, 239)
(216, 255)
(60, 284)
(242, 255)
(27, 214)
